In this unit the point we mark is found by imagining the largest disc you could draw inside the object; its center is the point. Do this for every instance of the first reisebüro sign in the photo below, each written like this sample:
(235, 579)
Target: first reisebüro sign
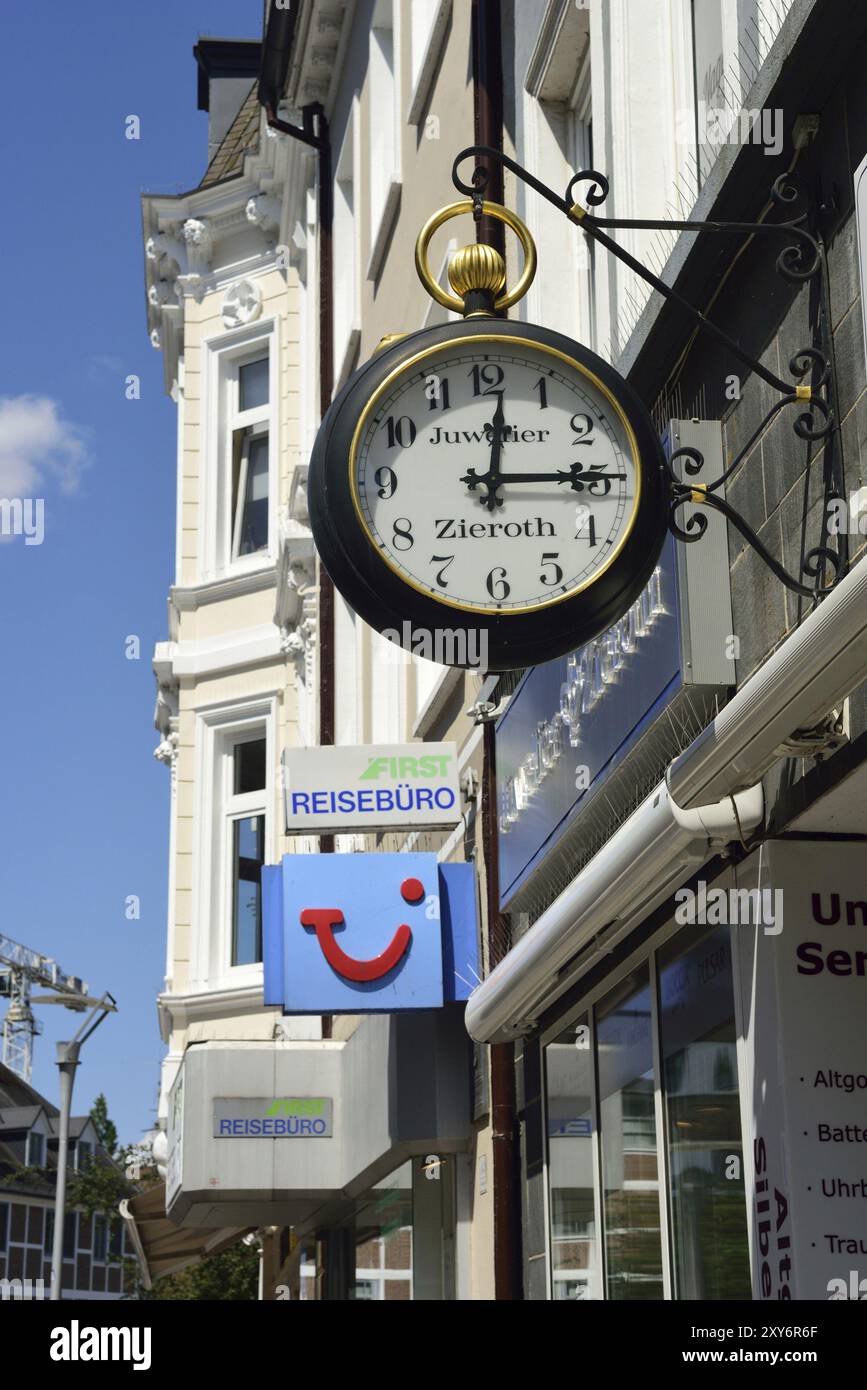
(390, 786)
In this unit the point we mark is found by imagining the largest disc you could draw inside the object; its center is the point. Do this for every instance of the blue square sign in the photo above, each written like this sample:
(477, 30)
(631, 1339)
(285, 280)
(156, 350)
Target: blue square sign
(359, 933)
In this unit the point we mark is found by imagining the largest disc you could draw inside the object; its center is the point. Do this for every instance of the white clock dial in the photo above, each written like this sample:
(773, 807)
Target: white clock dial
(495, 475)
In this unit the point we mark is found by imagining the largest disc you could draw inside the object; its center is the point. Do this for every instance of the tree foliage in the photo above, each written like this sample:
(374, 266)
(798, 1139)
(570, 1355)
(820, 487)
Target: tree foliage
(232, 1276)
(105, 1129)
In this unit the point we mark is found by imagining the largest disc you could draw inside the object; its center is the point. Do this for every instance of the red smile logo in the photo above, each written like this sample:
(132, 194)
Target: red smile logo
(325, 919)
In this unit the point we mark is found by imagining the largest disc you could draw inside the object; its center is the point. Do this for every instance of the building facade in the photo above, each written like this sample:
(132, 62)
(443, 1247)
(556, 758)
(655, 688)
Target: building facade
(665, 827)
(94, 1245)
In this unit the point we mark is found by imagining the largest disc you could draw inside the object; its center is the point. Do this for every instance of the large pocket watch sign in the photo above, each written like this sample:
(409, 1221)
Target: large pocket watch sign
(490, 477)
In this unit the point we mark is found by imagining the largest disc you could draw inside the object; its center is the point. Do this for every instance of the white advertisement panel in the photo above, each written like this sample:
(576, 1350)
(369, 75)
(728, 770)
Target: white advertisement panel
(803, 988)
(359, 787)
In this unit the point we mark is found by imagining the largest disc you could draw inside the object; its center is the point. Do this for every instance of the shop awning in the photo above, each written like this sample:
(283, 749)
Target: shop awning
(164, 1247)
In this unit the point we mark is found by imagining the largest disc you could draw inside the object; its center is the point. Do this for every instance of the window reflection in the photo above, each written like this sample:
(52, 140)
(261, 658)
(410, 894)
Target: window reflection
(630, 1178)
(705, 1160)
(248, 856)
(569, 1080)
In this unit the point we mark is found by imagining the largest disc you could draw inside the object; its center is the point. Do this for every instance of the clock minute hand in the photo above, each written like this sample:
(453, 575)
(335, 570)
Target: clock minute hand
(492, 479)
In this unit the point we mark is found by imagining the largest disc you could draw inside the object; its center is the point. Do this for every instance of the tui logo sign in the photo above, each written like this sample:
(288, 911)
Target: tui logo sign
(360, 933)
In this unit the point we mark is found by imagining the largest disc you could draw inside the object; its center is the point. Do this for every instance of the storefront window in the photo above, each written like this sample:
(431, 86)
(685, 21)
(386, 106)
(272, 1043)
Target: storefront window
(571, 1162)
(402, 1234)
(705, 1160)
(630, 1175)
(383, 1240)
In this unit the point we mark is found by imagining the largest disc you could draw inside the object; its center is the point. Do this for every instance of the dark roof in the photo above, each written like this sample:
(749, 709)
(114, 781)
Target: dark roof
(239, 139)
(18, 1116)
(76, 1124)
(15, 1092)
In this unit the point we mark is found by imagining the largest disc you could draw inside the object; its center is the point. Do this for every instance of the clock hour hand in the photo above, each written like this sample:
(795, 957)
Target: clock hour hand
(492, 479)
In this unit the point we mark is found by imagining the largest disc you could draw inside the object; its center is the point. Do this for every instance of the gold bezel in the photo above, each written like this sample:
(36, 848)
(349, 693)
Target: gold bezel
(444, 347)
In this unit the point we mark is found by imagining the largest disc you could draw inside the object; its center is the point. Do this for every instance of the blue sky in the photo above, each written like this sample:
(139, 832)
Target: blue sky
(84, 804)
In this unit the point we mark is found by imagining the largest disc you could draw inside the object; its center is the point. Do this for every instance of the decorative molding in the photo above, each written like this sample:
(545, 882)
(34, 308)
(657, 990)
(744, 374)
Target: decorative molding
(322, 38)
(188, 598)
(556, 60)
(242, 303)
(263, 211)
(166, 712)
(296, 600)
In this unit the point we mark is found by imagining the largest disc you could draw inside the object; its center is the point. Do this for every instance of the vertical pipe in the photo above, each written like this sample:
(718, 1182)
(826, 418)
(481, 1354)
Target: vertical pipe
(67, 1061)
(508, 1283)
(488, 108)
(487, 51)
(326, 386)
(325, 619)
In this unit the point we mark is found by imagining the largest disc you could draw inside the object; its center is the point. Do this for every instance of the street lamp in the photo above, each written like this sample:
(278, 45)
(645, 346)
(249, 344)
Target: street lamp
(67, 1061)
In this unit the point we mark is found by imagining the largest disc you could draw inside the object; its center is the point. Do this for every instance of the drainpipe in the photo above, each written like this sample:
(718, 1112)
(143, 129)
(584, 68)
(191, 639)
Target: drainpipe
(488, 108)
(508, 1283)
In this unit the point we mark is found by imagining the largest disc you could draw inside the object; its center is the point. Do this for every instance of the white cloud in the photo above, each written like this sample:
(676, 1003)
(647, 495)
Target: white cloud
(37, 444)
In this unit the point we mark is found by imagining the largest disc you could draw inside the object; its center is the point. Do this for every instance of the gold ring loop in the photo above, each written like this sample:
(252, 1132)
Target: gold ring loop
(502, 214)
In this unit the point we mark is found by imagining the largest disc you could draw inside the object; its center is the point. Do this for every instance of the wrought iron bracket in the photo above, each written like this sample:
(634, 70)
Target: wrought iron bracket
(813, 388)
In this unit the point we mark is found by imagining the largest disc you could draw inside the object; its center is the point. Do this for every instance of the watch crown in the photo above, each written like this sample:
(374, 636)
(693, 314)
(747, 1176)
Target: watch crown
(477, 267)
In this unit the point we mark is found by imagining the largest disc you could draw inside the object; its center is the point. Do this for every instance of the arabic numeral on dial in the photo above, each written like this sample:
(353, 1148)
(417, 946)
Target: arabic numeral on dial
(542, 387)
(550, 559)
(386, 482)
(582, 426)
(443, 561)
(497, 584)
(437, 392)
(585, 521)
(487, 379)
(401, 431)
(403, 538)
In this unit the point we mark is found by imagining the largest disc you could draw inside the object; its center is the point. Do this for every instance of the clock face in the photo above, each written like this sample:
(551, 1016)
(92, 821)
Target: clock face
(495, 474)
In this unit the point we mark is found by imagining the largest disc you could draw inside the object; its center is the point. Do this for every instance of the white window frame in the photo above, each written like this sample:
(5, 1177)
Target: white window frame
(221, 417)
(428, 25)
(219, 729)
(346, 237)
(383, 130)
(578, 153)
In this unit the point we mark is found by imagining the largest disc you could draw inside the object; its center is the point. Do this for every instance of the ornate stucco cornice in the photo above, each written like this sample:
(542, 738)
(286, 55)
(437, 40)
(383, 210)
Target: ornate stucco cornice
(317, 59)
(188, 239)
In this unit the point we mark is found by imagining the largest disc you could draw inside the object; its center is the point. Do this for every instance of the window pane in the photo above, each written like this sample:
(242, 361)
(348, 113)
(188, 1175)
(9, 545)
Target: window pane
(4, 1224)
(99, 1238)
(249, 766)
(248, 856)
(569, 1080)
(69, 1233)
(708, 1205)
(630, 1179)
(383, 1239)
(48, 1243)
(253, 384)
(254, 524)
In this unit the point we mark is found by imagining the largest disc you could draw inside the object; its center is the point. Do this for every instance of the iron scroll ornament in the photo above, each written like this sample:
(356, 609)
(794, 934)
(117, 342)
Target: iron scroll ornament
(799, 260)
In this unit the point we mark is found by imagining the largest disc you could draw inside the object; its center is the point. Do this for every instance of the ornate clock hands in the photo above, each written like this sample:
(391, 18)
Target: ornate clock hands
(492, 479)
(576, 476)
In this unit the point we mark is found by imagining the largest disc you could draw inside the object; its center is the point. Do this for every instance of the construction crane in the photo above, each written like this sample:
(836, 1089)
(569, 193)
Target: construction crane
(20, 969)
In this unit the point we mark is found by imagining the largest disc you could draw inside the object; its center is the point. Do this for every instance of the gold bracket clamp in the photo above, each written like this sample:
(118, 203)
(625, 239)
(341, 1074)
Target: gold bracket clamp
(477, 273)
